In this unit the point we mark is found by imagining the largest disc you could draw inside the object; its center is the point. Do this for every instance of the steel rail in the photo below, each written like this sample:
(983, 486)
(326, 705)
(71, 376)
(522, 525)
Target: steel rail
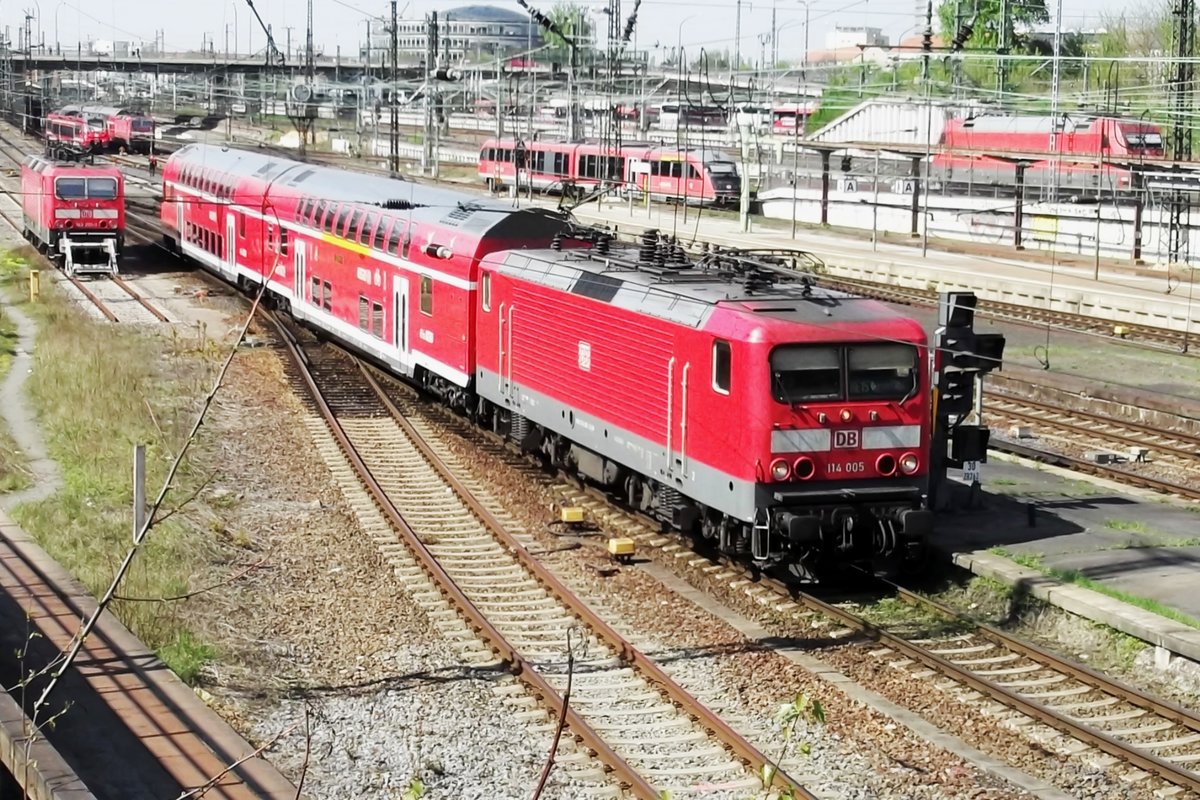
(1099, 470)
(142, 301)
(679, 696)
(1138, 427)
(499, 644)
(1136, 697)
(1076, 729)
(96, 301)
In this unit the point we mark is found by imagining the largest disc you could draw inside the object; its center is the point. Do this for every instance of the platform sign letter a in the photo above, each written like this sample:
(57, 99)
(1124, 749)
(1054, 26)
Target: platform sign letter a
(585, 356)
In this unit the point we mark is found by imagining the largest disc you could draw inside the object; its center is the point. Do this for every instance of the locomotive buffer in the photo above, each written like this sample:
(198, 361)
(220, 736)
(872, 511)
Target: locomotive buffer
(961, 358)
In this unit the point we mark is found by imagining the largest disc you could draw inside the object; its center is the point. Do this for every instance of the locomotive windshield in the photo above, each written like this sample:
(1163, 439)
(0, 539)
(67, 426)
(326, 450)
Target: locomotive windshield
(816, 373)
(722, 167)
(86, 188)
(142, 125)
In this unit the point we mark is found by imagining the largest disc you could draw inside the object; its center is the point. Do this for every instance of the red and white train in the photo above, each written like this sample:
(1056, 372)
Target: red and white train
(74, 212)
(1091, 151)
(727, 396)
(665, 173)
(124, 128)
(69, 135)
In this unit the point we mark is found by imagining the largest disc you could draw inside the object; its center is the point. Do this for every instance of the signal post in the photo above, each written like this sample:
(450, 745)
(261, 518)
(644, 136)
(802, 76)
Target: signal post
(961, 357)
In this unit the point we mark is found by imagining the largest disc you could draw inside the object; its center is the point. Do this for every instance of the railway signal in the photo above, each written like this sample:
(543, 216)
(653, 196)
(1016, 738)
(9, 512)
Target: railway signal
(961, 358)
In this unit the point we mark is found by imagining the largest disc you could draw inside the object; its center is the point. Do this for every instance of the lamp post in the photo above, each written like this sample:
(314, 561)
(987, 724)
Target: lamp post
(776, 30)
(679, 38)
(57, 9)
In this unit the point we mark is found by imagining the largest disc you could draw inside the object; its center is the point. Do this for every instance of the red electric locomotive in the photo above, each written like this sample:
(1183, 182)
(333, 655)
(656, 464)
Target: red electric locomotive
(982, 150)
(75, 212)
(124, 128)
(67, 136)
(731, 397)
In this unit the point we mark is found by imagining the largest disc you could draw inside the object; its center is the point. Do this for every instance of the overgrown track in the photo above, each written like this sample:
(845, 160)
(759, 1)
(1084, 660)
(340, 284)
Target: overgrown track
(623, 707)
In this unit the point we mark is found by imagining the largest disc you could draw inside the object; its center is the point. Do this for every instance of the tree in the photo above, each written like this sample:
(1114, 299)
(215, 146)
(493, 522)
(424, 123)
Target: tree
(575, 22)
(982, 19)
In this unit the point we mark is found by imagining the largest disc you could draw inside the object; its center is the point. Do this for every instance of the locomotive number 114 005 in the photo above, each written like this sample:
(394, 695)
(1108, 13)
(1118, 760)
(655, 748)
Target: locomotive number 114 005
(848, 468)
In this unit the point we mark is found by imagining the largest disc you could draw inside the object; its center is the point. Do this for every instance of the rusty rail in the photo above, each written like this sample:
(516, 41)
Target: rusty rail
(1078, 730)
(519, 667)
(96, 301)
(129, 290)
(679, 696)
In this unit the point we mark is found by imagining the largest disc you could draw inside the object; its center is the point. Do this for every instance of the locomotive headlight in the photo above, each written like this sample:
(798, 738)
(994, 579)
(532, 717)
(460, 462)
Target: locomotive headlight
(805, 468)
(780, 470)
(846, 415)
(909, 463)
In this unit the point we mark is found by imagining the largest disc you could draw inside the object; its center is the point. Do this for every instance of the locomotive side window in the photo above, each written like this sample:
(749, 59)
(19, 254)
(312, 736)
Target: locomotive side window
(486, 291)
(722, 367)
(316, 291)
(881, 371)
(241, 225)
(805, 374)
(427, 295)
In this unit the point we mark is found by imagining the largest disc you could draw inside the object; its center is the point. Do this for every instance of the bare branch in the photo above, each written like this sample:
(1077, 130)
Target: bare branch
(307, 753)
(186, 501)
(562, 720)
(188, 595)
(203, 788)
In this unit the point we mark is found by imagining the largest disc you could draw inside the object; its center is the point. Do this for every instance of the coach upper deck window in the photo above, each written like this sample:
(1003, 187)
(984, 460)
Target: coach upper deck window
(368, 226)
(427, 295)
(339, 227)
(722, 366)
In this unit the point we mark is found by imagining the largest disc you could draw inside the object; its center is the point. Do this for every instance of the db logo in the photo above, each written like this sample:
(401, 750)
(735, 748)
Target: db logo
(846, 440)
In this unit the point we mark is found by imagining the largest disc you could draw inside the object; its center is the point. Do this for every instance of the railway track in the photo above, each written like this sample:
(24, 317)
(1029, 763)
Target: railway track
(1170, 452)
(1121, 721)
(650, 733)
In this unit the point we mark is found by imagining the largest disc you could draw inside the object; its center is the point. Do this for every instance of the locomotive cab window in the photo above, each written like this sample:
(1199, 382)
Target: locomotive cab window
(722, 368)
(806, 374)
(102, 188)
(70, 188)
(881, 371)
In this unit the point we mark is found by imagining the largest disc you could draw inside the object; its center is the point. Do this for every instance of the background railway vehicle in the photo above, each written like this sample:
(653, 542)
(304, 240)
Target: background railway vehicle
(125, 128)
(74, 212)
(67, 137)
(730, 397)
(98, 136)
(982, 150)
(699, 176)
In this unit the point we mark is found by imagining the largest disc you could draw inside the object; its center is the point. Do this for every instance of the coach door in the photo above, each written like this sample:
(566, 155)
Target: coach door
(179, 217)
(298, 273)
(400, 319)
(230, 241)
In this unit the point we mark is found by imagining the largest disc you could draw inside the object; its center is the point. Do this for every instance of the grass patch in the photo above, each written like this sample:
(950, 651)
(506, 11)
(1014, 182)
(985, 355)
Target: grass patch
(98, 390)
(1126, 525)
(13, 473)
(187, 656)
(1035, 561)
(911, 620)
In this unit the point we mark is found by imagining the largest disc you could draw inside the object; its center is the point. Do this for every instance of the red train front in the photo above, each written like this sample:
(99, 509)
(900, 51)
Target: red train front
(75, 212)
(728, 398)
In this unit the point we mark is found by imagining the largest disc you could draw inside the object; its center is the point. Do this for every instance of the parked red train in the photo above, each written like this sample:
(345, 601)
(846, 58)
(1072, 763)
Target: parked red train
(728, 396)
(74, 212)
(125, 128)
(687, 175)
(68, 135)
(983, 149)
